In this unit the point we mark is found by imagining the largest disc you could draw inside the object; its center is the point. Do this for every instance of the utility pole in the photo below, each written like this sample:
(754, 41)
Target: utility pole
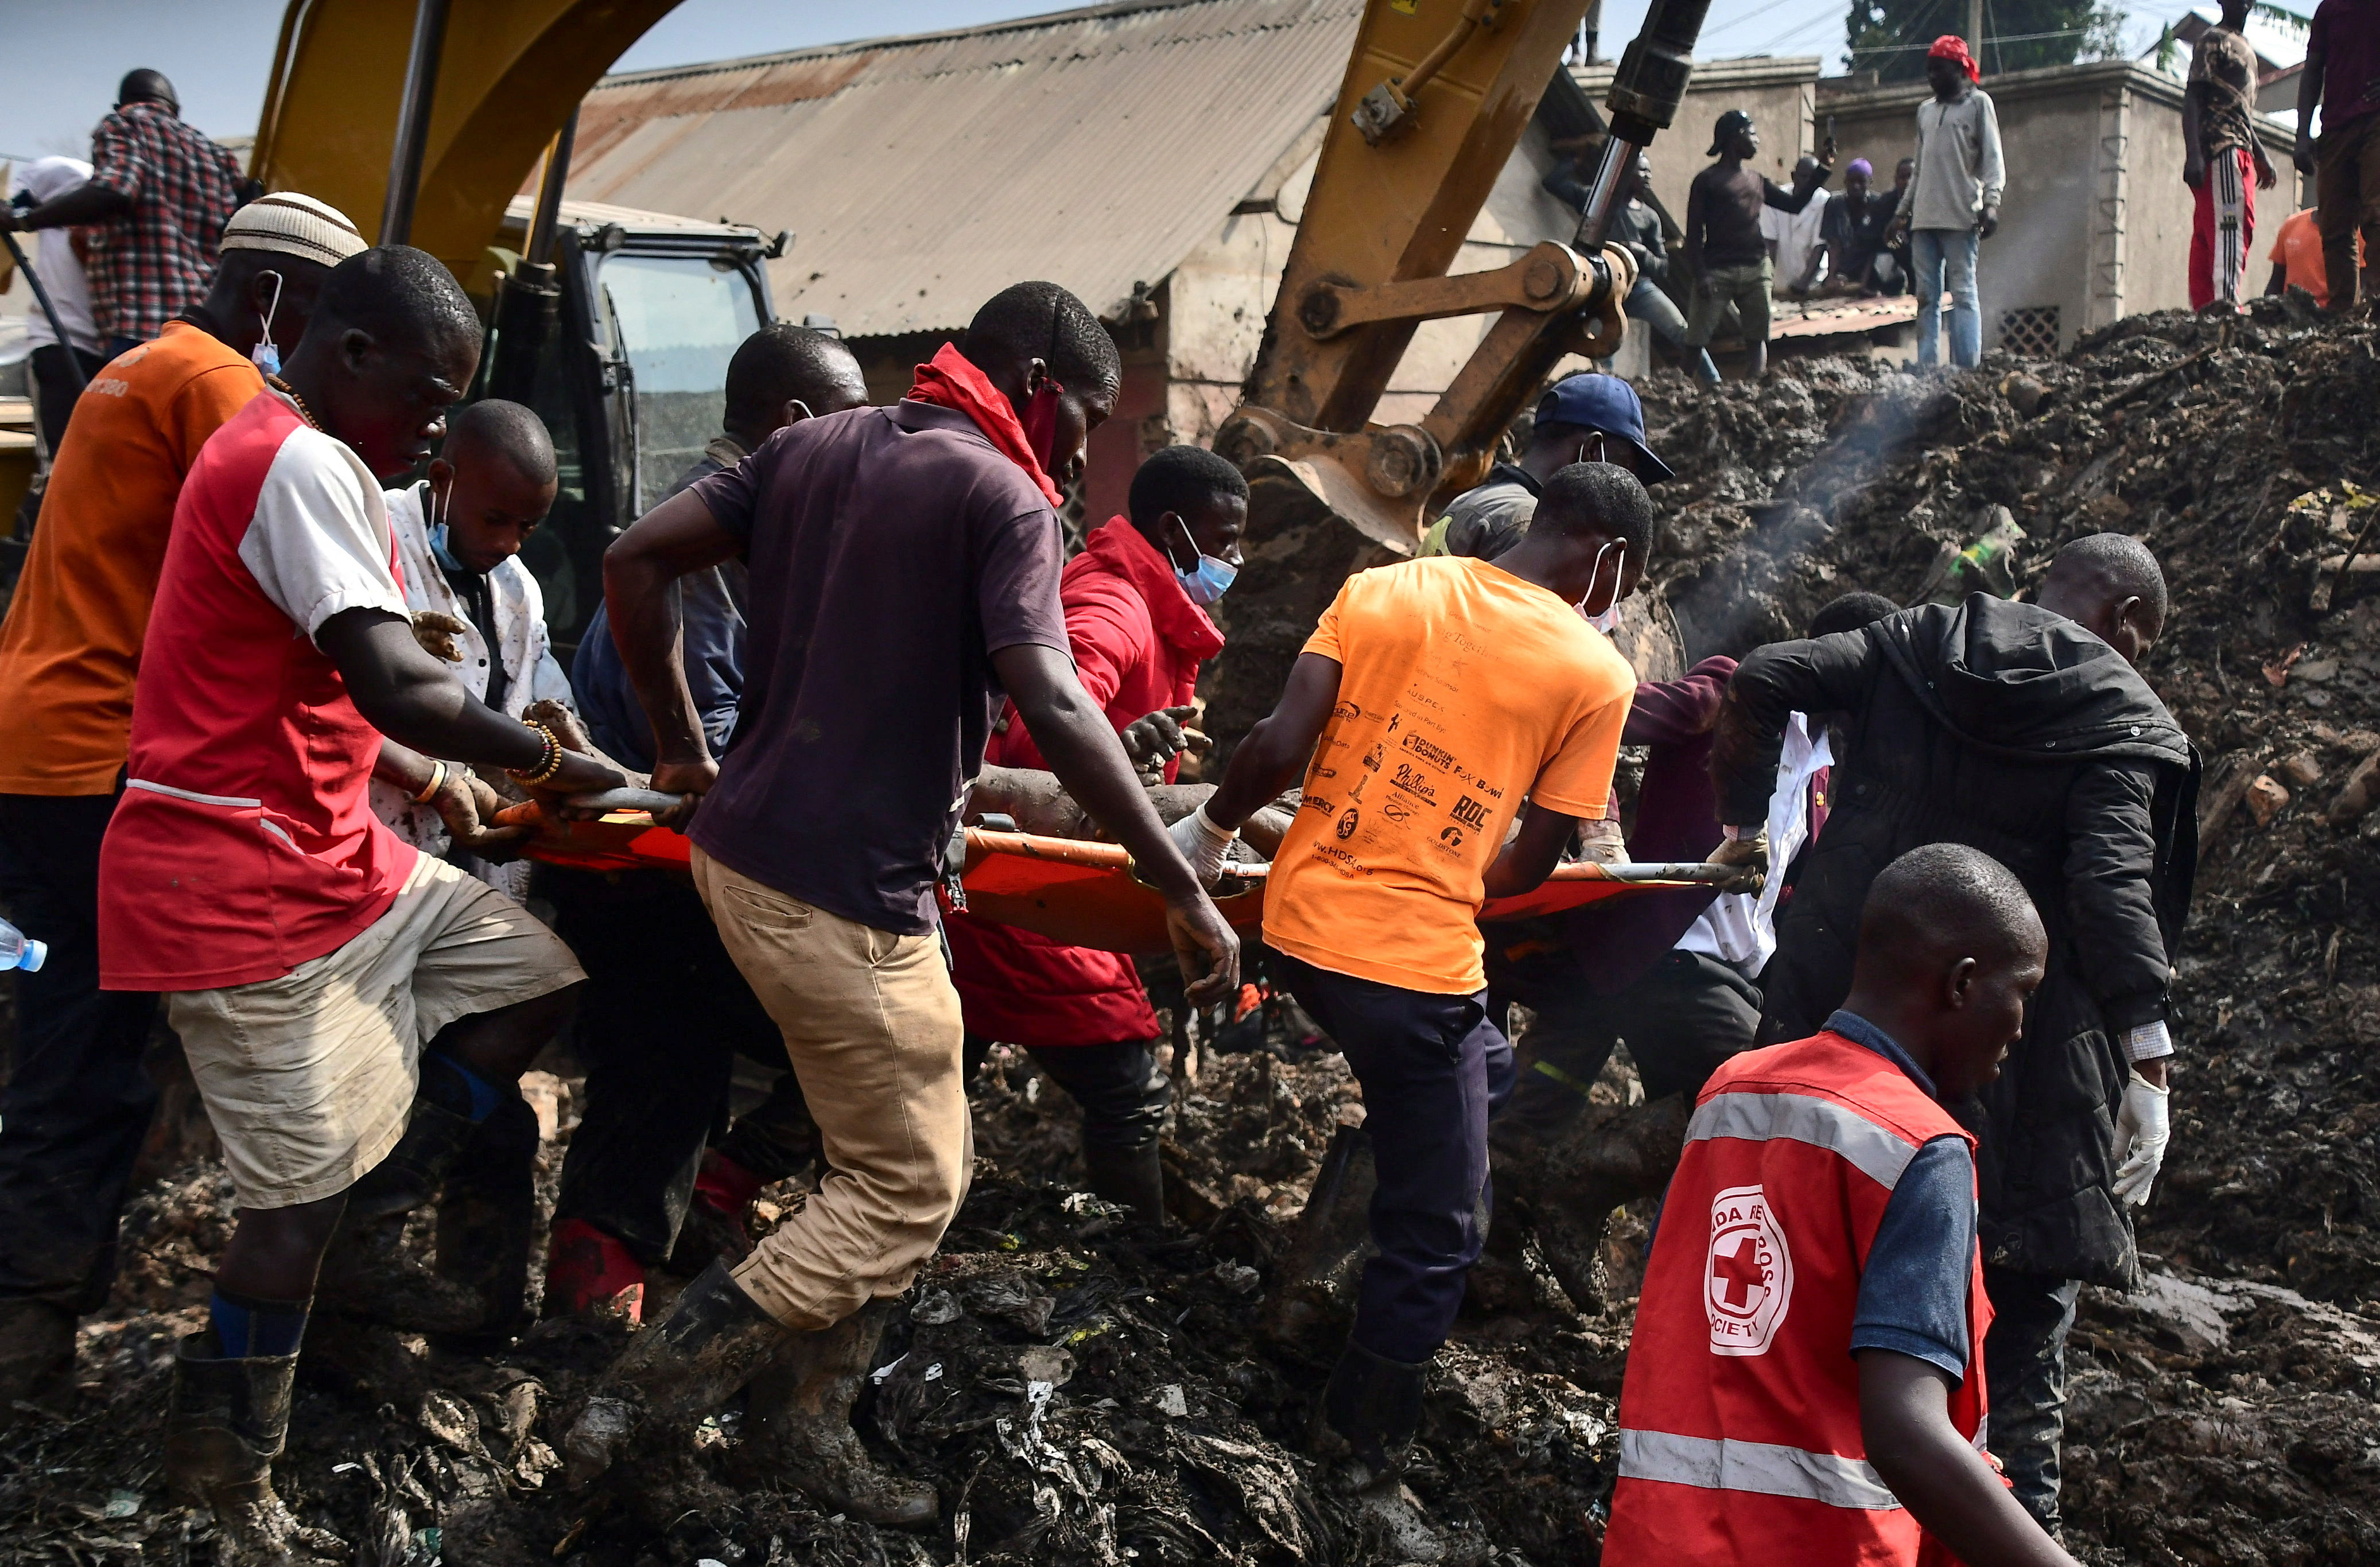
(1975, 31)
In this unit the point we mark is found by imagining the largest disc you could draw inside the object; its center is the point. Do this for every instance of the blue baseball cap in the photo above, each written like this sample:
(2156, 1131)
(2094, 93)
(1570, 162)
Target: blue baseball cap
(1608, 404)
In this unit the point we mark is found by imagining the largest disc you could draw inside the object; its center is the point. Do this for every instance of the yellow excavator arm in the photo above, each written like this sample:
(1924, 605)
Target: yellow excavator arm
(505, 76)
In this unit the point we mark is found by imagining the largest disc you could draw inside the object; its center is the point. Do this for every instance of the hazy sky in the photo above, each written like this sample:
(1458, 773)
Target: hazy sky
(64, 56)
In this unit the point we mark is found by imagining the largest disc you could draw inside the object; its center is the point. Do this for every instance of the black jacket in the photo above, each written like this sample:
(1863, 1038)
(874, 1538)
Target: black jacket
(2014, 730)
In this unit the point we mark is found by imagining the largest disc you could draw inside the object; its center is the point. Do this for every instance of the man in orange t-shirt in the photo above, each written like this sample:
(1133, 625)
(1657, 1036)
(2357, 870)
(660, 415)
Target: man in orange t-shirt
(2297, 257)
(78, 1103)
(1437, 700)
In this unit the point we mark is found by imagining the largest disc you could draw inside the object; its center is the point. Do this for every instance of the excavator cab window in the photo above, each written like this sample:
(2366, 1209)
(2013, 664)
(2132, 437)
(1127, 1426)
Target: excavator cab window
(676, 320)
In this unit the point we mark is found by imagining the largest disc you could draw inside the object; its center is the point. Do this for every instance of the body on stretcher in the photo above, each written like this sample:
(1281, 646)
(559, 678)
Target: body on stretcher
(1072, 891)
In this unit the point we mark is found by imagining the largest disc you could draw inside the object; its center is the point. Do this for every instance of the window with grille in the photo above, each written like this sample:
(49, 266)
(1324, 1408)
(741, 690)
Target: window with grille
(2031, 332)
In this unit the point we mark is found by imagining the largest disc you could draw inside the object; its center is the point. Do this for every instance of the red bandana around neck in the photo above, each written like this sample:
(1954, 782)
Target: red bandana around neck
(951, 381)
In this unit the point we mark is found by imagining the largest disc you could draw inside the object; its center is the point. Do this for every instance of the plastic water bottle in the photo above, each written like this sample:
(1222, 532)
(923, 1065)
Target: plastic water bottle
(20, 951)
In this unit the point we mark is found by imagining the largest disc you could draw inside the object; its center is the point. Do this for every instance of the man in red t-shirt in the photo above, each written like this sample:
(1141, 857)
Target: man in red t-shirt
(2342, 77)
(316, 967)
(1135, 601)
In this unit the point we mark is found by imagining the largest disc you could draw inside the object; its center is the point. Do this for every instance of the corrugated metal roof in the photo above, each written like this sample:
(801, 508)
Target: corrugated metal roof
(922, 174)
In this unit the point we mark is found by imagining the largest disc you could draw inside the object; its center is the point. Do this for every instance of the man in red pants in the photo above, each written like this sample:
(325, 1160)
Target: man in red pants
(1136, 603)
(2219, 154)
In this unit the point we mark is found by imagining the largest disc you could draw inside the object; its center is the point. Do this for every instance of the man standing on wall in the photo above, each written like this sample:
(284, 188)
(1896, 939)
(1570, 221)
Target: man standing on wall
(1725, 249)
(2342, 78)
(2219, 145)
(1953, 204)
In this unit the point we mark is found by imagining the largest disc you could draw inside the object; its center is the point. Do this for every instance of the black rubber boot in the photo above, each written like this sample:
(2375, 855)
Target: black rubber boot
(1314, 1286)
(37, 1357)
(487, 1217)
(225, 1423)
(1373, 1404)
(799, 1424)
(1132, 1176)
(1585, 1173)
(415, 1170)
(714, 1341)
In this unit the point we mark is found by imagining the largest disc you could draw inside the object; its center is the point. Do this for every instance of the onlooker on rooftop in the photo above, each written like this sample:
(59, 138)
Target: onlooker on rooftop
(2220, 151)
(2342, 78)
(1953, 201)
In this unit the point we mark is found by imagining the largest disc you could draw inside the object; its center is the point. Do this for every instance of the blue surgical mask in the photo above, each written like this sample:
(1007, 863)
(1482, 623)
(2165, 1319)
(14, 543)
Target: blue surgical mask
(1211, 579)
(267, 356)
(435, 506)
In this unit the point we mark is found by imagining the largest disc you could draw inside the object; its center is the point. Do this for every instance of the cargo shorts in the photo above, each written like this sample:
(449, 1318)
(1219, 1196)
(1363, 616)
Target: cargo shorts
(310, 1078)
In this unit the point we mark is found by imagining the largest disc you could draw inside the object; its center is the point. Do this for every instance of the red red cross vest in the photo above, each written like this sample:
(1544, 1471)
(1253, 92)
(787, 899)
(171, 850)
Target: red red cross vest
(1739, 1421)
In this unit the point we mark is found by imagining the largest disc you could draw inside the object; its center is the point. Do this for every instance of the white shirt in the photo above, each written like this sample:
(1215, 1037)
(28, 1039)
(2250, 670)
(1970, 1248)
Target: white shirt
(531, 672)
(1795, 235)
(1740, 929)
(54, 260)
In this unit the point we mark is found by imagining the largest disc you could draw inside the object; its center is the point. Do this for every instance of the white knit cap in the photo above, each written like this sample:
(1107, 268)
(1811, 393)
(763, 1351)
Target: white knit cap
(295, 225)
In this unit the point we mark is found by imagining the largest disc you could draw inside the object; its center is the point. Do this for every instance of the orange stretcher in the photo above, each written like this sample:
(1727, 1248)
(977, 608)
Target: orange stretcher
(1078, 893)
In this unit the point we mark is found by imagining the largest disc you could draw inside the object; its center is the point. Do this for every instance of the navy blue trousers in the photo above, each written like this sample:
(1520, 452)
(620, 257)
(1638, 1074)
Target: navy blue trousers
(1433, 1070)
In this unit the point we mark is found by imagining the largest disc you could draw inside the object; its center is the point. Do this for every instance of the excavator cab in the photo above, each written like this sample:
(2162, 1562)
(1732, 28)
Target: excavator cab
(629, 376)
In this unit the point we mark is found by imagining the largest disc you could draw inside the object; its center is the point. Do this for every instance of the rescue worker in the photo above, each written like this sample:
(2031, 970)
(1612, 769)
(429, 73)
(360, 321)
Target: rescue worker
(905, 571)
(78, 1100)
(1135, 601)
(1803, 1384)
(1583, 418)
(2021, 730)
(1438, 701)
(321, 973)
(667, 1011)
(459, 532)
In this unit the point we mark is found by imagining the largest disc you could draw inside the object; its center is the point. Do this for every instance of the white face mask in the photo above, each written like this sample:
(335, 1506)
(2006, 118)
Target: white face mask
(1610, 617)
(267, 356)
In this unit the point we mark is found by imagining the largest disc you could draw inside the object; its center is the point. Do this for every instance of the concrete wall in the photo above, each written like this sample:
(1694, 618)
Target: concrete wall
(2096, 221)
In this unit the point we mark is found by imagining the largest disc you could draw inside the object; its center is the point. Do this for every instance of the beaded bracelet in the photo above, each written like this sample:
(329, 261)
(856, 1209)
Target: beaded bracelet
(437, 782)
(548, 764)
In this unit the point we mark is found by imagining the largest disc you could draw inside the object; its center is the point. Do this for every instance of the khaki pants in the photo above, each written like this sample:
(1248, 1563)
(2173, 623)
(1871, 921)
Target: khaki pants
(871, 1026)
(2346, 199)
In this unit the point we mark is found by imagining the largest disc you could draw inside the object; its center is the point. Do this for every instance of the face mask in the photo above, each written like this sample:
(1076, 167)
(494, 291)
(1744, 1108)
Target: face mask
(1210, 578)
(267, 356)
(1040, 423)
(1610, 617)
(437, 506)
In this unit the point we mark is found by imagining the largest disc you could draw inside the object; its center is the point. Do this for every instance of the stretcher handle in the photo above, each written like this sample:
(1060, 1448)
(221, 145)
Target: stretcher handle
(608, 801)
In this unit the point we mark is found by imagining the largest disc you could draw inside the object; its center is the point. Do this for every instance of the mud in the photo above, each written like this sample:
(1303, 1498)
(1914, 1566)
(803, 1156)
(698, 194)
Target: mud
(1080, 1392)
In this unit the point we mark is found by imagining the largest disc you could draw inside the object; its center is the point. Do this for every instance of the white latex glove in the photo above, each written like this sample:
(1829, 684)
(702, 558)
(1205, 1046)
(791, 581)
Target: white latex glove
(2142, 1128)
(1203, 845)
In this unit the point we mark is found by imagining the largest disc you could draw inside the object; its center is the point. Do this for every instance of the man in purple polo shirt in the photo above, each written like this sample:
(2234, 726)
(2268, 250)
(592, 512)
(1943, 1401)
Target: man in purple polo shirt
(904, 568)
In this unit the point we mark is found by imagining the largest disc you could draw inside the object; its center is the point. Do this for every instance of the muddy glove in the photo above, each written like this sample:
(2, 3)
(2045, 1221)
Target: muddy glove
(2142, 1128)
(469, 807)
(1599, 840)
(1157, 738)
(1747, 853)
(1203, 845)
(436, 633)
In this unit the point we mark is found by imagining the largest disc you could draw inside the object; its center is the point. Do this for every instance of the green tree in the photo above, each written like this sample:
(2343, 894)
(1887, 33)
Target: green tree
(1891, 37)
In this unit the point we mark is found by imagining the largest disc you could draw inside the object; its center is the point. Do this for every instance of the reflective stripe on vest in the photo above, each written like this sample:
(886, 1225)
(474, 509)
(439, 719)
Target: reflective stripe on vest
(1804, 1118)
(1718, 1463)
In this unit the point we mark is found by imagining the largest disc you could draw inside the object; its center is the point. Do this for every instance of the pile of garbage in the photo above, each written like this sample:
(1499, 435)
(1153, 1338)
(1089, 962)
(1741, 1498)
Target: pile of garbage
(2228, 1414)
(1079, 1390)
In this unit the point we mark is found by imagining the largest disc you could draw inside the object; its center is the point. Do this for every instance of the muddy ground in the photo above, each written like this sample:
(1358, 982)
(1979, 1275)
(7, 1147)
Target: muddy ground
(1080, 1392)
